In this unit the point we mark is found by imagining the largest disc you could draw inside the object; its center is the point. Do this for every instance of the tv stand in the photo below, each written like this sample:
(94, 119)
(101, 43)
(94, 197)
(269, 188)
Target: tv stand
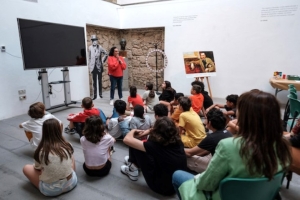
(45, 88)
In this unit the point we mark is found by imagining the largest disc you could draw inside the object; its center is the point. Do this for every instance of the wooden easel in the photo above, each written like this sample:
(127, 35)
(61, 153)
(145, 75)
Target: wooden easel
(207, 80)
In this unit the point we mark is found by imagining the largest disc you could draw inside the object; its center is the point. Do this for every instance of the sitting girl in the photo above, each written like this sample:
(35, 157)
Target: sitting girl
(134, 98)
(139, 120)
(167, 95)
(53, 170)
(168, 92)
(150, 98)
(96, 147)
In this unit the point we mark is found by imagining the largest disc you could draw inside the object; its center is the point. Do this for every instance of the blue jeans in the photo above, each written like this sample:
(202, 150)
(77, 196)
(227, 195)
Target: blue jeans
(113, 81)
(180, 177)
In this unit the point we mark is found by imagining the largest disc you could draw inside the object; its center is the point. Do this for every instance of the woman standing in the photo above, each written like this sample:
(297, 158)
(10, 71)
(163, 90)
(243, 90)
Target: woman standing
(258, 149)
(116, 65)
(53, 170)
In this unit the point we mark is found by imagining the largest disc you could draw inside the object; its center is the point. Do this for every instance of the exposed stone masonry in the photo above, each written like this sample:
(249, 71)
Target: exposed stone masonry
(139, 43)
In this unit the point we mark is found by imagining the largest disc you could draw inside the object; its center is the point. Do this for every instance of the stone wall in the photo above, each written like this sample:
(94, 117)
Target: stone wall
(139, 43)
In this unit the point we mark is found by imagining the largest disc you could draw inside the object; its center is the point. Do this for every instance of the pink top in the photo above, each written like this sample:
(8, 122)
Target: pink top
(96, 154)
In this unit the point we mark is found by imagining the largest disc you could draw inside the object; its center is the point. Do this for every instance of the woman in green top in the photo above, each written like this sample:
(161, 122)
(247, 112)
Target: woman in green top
(257, 150)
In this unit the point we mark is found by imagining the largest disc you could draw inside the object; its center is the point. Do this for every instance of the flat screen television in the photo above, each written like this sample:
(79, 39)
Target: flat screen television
(50, 45)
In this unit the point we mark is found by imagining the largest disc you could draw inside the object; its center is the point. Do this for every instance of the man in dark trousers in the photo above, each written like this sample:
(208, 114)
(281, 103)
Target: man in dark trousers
(97, 56)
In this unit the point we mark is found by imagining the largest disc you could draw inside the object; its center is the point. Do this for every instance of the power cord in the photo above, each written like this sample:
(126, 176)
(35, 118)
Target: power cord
(12, 55)
(50, 89)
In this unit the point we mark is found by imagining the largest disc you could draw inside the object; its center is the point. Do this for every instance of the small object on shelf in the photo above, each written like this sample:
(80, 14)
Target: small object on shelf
(293, 77)
(283, 76)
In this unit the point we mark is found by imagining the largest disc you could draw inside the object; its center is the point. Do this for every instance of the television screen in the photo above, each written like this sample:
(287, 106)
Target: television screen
(47, 45)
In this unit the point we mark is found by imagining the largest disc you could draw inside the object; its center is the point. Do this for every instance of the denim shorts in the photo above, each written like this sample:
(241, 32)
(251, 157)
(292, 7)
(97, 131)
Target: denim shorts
(58, 187)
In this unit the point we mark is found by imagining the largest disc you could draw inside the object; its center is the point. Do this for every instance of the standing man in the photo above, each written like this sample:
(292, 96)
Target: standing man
(97, 56)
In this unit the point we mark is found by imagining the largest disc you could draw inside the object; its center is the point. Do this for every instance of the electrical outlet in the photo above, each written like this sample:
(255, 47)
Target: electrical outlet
(21, 92)
(2, 48)
(22, 97)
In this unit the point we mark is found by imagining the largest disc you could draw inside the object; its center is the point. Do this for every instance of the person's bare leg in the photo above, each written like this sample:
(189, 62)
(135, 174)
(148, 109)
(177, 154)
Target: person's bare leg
(32, 174)
(73, 164)
(71, 125)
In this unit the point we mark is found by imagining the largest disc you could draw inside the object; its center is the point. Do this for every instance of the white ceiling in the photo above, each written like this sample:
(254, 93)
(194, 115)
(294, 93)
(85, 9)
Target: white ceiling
(131, 2)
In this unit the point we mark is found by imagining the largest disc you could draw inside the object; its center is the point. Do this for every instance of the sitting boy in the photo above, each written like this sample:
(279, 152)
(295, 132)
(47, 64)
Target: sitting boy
(175, 115)
(190, 125)
(207, 100)
(196, 98)
(88, 110)
(230, 106)
(199, 156)
(33, 127)
(118, 127)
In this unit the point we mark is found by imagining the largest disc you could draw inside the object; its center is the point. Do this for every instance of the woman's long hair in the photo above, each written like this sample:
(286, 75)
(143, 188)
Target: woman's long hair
(132, 91)
(111, 51)
(262, 145)
(164, 132)
(93, 129)
(52, 142)
(150, 87)
(169, 87)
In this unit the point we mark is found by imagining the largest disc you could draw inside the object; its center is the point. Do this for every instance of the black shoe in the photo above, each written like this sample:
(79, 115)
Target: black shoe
(101, 96)
(95, 97)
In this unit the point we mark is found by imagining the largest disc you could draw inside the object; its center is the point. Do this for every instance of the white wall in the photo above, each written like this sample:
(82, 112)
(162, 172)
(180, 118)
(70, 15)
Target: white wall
(14, 78)
(247, 48)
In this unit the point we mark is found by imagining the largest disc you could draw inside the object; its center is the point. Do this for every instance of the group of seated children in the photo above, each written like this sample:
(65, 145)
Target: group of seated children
(177, 142)
(53, 172)
(257, 150)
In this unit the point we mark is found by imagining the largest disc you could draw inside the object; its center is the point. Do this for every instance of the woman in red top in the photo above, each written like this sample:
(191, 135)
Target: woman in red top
(134, 98)
(116, 65)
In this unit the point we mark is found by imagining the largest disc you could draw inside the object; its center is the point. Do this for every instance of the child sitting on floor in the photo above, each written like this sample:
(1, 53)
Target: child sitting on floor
(207, 99)
(96, 145)
(150, 98)
(139, 120)
(134, 98)
(88, 110)
(33, 127)
(118, 127)
(230, 106)
(196, 98)
(53, 172)
(175, 104)
(191, 128)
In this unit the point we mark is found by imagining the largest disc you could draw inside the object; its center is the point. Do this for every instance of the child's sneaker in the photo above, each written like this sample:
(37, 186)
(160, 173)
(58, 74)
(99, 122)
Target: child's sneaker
(111, 102)
(131, 171)
(69, 131)
(126, 158)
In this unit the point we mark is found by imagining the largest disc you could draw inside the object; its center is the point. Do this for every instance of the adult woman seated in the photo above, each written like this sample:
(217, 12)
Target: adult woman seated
(294, 136)
(158, 158)
(257, 150)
